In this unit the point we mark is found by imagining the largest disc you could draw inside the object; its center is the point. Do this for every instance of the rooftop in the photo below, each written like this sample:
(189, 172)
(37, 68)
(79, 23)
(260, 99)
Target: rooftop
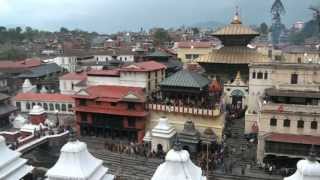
(194, 44)
(113, 93)
(74, 76)
(28, 63)
(186, 78)
(144, 66)
(41, 70)
(30, 96)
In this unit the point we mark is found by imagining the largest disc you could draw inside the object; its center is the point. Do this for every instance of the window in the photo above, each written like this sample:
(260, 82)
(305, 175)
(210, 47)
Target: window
(286, 123)
(294, 78)
(28, 105)
(83, 117)
(273, 121)
(63, 107)
(18, 104)
(300, 124)
(98, 102)
(266, 75)
(131, 106)
(195, 56)
(58, 107)
(188, 56)
(72, 86)
(39, 104)
(314, 125)
(113, 104)
(82, 102)
(69, 107)
(149, 75)
(131, 122)
(33, 104)
(299, 60)
(260, 75)
(45, 106)
(253, 75)
(51, 107)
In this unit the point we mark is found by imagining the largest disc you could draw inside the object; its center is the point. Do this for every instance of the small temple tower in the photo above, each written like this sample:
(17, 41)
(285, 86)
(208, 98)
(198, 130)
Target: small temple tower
(189, 137)
(162, 135)
(75, 162)
(308, 169)
(178, 166)
(37, 115)
(12, 167)
(28, 87)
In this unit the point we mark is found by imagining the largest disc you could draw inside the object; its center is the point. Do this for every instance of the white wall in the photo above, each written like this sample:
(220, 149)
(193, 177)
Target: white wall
(65, 86)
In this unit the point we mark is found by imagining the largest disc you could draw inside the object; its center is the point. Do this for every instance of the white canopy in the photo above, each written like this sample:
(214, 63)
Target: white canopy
(12, 167)
(76, 163)
(178, 166)
(306, 170)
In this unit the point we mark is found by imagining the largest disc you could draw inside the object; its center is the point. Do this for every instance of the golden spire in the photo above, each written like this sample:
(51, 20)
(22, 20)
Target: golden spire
(236, 18)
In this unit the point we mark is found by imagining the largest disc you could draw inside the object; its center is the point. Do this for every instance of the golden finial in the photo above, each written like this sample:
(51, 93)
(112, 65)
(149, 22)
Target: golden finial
(236, 18)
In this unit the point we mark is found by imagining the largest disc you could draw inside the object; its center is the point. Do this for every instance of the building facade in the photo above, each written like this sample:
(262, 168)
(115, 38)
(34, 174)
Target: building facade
(284, 104)
(111, 111)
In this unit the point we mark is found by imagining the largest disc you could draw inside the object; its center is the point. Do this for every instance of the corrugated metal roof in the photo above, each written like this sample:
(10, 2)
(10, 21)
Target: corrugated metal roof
(233, 55)
(186, 78)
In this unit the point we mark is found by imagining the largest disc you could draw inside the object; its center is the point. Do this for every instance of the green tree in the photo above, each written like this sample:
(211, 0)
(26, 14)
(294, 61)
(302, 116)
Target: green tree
(160, 36)
(297, 38)
(195, 30)
(263, 28)
(64, 30)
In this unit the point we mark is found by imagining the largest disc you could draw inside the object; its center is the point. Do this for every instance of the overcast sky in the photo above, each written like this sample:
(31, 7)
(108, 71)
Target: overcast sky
(118, 15)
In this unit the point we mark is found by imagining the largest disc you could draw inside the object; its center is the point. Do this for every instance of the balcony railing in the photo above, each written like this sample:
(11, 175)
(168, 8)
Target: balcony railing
(297, 87)
(291, 108)
(184, 110)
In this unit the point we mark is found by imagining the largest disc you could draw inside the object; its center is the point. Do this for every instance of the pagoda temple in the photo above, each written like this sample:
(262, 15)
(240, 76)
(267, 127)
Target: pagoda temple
(234, 55)
(12, 167)
(75, 162)
(178, 166)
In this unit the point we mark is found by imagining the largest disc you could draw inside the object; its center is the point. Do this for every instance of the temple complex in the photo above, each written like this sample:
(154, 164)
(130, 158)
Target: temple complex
(12, 167)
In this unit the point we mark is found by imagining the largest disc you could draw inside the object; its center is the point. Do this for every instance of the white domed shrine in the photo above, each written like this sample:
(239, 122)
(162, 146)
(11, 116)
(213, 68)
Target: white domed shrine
(307, 169)
(178, 166)
(162, 135)
(75, 162)
(19, 122)
(12, 167)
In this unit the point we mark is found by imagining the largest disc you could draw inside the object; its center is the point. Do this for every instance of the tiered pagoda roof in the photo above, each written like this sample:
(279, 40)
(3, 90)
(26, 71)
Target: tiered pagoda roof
(234, 37)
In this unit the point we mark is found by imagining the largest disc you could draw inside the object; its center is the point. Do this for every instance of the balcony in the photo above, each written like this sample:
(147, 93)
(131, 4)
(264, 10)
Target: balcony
(289, 108)
(298, 87)
(184, 110)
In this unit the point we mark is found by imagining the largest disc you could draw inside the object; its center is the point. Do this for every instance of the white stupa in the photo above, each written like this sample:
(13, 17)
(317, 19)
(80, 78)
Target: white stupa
(76, 163)
(178, 166)
(307, 169)
(162, 134)
(12, 167)
(43, 90)
(36, 110)
(19, 121)
(28, 87)
(147, 137)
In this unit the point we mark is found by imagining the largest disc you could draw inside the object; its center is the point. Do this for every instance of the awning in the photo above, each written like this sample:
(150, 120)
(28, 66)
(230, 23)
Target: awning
(296, 139)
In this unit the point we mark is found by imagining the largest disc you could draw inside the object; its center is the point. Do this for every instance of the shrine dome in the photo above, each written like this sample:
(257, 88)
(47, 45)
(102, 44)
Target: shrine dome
(178, 166)
(36, 110)
(75, 162)
(19, 121)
